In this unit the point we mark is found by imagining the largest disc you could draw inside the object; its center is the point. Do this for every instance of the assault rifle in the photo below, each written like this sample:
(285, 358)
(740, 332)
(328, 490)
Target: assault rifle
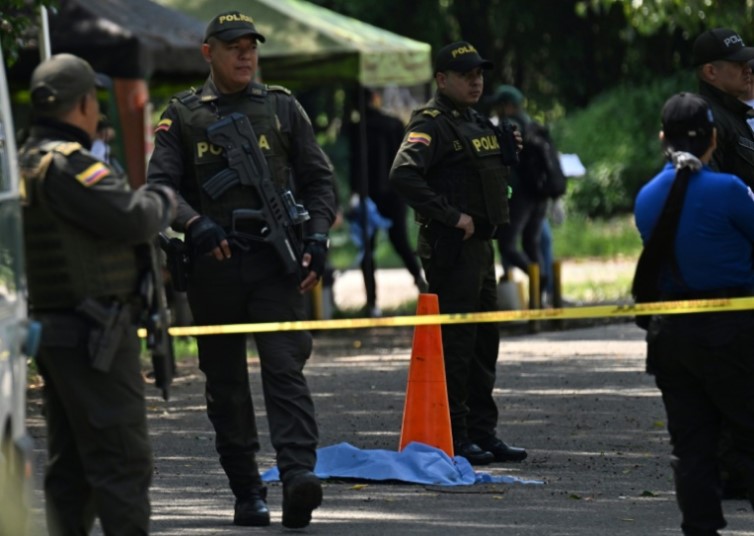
(279, 216)
(157, 322)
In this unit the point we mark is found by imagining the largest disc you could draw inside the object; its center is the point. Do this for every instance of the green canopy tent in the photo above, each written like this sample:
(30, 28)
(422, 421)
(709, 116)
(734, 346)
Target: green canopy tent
(308, 44)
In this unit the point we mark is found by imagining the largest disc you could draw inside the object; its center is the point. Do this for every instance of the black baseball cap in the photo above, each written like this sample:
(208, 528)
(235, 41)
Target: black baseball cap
(720, 44)
(231, 25)
(687, 116)
(461, 57)
(59, 81)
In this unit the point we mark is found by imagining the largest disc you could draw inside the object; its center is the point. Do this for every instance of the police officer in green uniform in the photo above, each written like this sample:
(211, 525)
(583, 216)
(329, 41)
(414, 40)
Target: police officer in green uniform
(236, 280)
(452, 169)
(85, 231)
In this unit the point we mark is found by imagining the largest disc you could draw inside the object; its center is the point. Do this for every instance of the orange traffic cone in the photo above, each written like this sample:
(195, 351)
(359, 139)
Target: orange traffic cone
(426, 417)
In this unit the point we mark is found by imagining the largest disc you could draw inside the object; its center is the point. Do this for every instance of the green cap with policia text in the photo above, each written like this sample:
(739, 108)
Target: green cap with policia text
(60, 81)
(460, 57)
(231, 25)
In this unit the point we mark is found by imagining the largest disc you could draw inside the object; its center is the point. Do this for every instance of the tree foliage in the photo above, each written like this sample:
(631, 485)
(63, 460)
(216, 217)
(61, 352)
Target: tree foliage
(562, 54)
(17, 19)
(691, 16)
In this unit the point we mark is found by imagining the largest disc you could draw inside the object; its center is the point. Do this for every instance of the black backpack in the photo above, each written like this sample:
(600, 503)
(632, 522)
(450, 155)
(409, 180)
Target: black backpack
(539, 168)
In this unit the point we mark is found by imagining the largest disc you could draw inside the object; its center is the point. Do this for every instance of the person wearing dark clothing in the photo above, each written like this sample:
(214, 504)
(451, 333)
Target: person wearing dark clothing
(236, 277)
(521, 242)
(724, 74)
(452, 169)
(722, 66)
(384, 135)
(85, 234)
(698, 231)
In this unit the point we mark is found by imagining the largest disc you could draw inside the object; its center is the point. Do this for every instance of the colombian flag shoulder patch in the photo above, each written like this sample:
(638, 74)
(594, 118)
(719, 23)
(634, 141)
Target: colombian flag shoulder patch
(419, 137)
(93, 174)
(164, 124)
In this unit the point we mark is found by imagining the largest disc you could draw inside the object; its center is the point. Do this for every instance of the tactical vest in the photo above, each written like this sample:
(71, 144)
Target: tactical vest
(479, 187)
(205, 160)
(64, 263)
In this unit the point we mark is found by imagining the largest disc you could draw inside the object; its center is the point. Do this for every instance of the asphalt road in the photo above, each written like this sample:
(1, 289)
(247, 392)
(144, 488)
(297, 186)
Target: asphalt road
(578, 400)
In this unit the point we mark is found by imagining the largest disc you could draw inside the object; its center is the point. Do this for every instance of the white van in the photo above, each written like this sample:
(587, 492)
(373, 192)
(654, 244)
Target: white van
(18, 338)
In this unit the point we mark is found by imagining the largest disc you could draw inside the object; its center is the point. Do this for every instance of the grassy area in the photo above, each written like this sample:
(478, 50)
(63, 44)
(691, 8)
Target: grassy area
(581, 237)
(577, 237)
(588, 292)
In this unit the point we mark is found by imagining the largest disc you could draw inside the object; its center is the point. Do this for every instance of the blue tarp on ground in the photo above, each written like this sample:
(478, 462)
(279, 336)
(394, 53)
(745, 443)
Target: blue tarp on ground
(417, 463)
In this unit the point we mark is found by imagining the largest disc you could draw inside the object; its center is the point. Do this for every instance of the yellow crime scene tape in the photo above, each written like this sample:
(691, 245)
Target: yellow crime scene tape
(595, 311)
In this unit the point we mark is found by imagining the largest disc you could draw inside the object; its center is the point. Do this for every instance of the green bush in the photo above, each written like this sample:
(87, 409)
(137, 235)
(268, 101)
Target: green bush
(616, 139)
(581, 237)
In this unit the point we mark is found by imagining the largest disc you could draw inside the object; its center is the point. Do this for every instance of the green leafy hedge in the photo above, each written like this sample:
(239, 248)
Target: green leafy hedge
(616, 138)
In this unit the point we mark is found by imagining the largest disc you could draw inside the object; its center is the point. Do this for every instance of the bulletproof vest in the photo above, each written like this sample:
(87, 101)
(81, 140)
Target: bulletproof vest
(479, 189)
(206, 160)
(64, 263)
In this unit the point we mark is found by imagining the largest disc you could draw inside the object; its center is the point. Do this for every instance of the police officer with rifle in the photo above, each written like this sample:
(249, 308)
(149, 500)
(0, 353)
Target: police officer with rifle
(242, 156)
(452, 169)
(87, 238)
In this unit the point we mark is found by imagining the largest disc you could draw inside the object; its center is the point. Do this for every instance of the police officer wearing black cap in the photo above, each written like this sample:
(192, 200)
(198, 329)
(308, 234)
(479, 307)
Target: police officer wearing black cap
(722, 62)
(236, 280)
(84, 232)
(698, 231)
(451, 169)
(722, 66)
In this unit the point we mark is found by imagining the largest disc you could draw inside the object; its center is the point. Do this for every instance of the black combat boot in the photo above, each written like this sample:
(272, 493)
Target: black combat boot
(501, 451)
(302, 493)
(251, 510)
(473, 453)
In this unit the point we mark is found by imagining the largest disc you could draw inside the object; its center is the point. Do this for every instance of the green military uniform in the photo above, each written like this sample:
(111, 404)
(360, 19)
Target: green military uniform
(450, 163)
(251, 286)
(83, 226)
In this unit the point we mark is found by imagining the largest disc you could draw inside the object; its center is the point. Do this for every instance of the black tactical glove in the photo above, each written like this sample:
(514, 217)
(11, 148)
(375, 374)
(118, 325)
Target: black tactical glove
(316, 245)
(203, 236)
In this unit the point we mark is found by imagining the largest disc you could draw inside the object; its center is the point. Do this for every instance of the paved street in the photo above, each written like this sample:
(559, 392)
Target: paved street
(578, 400)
